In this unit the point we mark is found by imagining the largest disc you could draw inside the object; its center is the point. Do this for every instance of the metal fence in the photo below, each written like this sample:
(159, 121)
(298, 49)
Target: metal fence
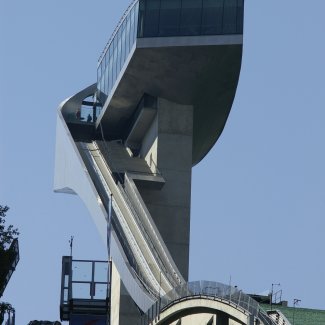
(209, 290)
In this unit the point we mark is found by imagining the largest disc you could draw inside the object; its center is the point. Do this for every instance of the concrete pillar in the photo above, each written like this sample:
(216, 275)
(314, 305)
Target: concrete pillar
(168, 146)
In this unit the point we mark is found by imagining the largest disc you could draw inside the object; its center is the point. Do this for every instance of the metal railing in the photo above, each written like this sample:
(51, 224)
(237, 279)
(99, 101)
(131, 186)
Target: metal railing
(172, 276)
(117, 218)
(84, 286)
(127, 11)
(208, 290)
(116, 52)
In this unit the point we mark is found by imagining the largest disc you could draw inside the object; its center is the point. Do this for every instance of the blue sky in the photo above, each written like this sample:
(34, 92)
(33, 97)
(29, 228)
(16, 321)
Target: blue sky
(258, 198)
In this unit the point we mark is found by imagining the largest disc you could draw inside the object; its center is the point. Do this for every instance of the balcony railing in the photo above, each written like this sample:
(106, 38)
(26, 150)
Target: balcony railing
(163, 18)
(208, 290)
(84, 288)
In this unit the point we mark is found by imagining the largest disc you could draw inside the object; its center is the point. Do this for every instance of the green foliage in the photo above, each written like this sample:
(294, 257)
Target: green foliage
(7, 234)
(5, 307)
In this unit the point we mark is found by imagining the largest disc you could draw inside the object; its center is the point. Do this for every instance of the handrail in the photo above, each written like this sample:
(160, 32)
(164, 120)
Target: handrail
(114, 204)
(124, 224)
(110, 40)
(136, 218)
(139, 223)
(147, 236)
(208, 290)
(144, 214)
(176, 281)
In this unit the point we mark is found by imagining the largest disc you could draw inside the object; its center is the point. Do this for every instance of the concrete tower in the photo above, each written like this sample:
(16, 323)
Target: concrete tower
(126, 144)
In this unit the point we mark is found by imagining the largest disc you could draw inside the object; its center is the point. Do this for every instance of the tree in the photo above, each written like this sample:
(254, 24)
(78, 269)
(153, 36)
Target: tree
(7, 234)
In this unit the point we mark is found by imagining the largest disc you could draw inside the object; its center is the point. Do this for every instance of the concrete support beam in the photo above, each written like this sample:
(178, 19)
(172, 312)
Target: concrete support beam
(168, 147)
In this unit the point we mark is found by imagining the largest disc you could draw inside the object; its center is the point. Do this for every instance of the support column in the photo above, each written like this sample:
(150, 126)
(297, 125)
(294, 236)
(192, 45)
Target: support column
(168, 146)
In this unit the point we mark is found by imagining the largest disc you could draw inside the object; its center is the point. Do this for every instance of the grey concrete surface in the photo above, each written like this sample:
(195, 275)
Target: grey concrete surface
(172, 154)
(204, 76)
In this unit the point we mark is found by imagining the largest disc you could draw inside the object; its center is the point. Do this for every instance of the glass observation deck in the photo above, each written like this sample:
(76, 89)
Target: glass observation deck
(164, 18)
(84, 288)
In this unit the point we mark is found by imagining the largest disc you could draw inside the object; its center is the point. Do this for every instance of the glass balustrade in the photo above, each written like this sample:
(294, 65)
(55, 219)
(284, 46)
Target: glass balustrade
(162, 18)
(84, 285)
(116, 52)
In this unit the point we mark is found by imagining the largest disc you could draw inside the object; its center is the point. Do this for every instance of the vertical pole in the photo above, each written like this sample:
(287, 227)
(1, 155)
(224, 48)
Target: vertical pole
(159, 307)
(109, 226)
(109, 231)
(71, 245)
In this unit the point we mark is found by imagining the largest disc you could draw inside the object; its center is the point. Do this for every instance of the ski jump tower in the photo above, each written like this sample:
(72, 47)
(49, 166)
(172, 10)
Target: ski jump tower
(126, 145)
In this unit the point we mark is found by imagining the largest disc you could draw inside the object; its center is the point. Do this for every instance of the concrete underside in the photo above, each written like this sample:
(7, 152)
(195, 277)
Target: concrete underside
(205, 77)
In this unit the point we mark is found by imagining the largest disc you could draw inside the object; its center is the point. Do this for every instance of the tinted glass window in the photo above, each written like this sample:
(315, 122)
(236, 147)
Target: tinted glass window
(230, 17)
(240, 15)
(191, 16)
(212, 17)
(170, 14)
(151, 18)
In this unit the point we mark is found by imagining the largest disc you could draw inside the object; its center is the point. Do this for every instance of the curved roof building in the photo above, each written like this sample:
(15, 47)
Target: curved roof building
(126, 144)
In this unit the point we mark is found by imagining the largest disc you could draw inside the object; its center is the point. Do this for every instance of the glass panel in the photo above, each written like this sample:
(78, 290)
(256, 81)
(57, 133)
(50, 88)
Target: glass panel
(66, 281)
(123, 44)
(127, 37)
(100, 291)
(230, 17)
(136, 10)
(81, 291)
(142, 7)
(101, 85)
(81, 271)
(150, 27)
(119, 51)
(106, 57)
(191, 17)
(98, 74)
(170, 14)
(212, 17)
(106, 80)
(110, 76)
(131, 27)
(114, 60)
(101, 272)
(65, 295)
(240, 16)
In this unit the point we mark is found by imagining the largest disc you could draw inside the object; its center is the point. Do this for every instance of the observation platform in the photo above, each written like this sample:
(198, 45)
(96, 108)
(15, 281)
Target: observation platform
(212, 303)
(84, 290)
(186, 52)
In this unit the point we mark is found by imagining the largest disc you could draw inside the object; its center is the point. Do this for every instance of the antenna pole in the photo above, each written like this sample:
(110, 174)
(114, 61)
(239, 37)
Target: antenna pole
(71, 245)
